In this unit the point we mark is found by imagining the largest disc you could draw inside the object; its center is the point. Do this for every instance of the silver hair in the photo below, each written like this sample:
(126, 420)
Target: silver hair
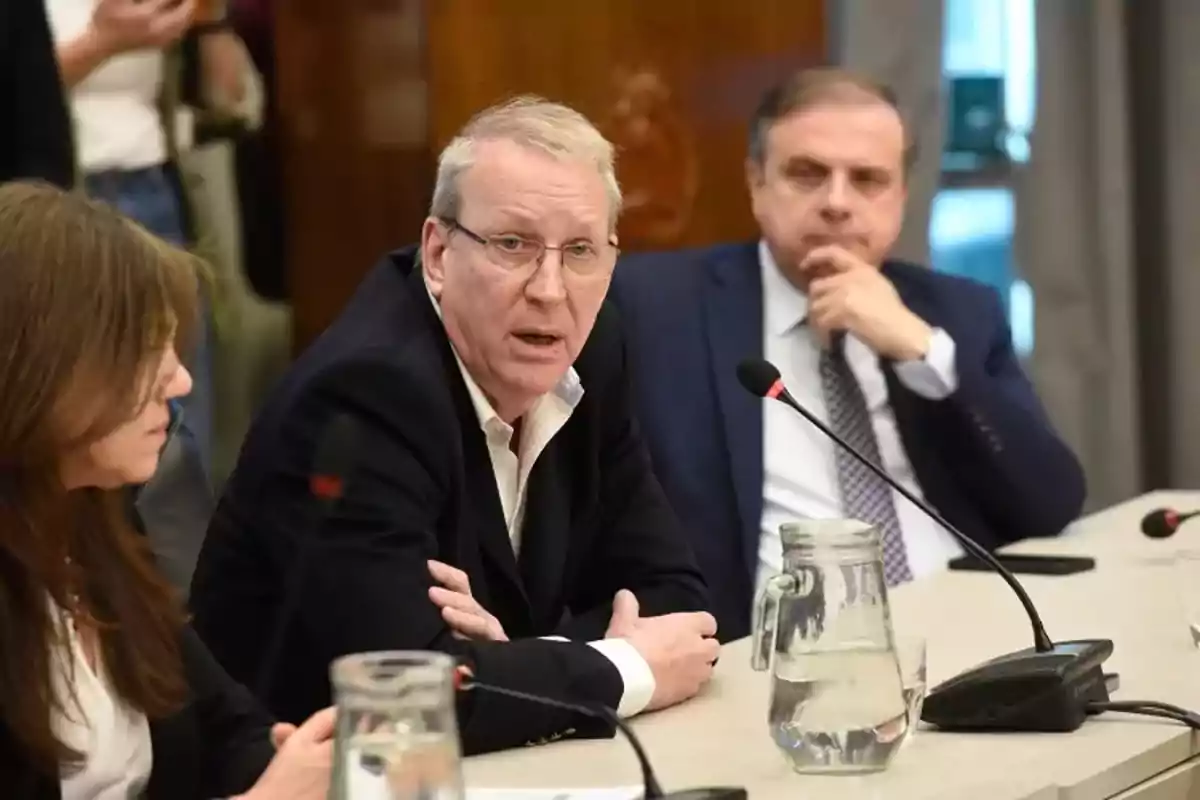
(533, 122)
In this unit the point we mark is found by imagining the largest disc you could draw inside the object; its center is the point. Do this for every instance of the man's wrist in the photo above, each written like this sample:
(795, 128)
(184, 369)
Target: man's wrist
(914, 345)
(935, 375)
(637, 678)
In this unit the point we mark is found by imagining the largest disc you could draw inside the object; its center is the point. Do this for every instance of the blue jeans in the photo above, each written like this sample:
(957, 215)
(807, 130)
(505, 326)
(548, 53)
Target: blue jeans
(148, 196)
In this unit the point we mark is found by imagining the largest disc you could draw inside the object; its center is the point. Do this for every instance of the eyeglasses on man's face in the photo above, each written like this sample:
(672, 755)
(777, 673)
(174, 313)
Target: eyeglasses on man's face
(516, 252)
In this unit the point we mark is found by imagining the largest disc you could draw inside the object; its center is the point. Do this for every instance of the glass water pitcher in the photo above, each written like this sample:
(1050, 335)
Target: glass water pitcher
(397, 734)
(823, 629)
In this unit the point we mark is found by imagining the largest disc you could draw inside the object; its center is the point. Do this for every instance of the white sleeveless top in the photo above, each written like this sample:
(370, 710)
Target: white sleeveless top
(117, 123)
(113, 738)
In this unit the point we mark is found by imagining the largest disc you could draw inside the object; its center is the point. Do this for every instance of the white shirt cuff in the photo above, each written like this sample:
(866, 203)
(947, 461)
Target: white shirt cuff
(934, 377)
(635, 673)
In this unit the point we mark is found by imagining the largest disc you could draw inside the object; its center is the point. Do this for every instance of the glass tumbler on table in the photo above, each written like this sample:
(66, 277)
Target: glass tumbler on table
(397, 734)
(910, 654)
(1187, 582)
(824, 630)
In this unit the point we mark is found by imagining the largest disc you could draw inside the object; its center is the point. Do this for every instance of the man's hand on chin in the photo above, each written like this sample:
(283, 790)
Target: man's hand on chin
(680, 649)
(848, 294)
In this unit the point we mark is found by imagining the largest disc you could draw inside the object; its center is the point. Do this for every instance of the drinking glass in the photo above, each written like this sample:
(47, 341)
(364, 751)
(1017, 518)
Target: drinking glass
(1187, 581)
(911, 654)
(397, 736)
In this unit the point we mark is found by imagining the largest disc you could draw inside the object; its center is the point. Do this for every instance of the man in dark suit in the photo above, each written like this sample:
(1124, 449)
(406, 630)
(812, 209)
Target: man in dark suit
(914, 367)
(497, 491)
(35, 128)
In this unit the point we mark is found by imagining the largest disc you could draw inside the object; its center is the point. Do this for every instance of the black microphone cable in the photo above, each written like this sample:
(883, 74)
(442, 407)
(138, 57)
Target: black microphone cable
(653, 791)
(1148, 708)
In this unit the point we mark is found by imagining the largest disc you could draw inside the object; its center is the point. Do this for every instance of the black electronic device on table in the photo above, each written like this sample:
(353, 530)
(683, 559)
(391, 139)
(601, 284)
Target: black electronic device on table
(1025, 564)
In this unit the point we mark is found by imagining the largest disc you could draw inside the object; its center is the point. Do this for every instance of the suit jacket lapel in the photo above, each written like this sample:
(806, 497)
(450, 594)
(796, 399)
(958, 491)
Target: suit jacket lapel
(491, 528)
(544, 540)
(733, 324)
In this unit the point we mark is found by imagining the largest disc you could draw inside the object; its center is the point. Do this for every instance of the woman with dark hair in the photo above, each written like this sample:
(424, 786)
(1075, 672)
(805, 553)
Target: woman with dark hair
(105, 693)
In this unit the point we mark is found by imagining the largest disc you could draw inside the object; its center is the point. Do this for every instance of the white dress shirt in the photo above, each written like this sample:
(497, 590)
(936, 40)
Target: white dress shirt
(800, 472)
(544, 419)
(113, 739)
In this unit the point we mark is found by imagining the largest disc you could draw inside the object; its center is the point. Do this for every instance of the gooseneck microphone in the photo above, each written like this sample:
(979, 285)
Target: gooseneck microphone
(762, 379)
(1050, 687)
(1163, 522)
(651, 790)
(333, 458)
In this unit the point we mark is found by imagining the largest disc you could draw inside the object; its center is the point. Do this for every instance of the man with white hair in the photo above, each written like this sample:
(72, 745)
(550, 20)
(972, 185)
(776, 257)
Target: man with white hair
(496, 502)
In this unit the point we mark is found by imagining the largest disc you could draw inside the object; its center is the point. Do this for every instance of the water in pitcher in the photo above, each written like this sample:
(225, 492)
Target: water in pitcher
(384, 766)
(839, 711)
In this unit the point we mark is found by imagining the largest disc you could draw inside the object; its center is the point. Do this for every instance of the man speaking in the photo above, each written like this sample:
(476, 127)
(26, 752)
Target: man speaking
(498, 492)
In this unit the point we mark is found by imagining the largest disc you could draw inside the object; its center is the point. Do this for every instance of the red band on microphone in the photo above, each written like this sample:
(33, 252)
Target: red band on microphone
(777, 388)
(462, 675)
(326, 487)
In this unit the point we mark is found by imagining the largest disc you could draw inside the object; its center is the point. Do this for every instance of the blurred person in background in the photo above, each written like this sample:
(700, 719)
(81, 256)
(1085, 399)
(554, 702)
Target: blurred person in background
(35, 134)
(141, 75)
(259, 160)
(104, 690)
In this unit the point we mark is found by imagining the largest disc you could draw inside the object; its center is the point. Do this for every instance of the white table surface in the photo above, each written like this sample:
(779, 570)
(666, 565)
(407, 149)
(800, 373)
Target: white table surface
(720, 737)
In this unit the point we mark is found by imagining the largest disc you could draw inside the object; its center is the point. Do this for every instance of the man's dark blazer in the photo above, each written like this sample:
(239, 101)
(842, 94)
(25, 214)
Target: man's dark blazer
(422, 487)
(35, 127)
(216, 746)
(986, 457)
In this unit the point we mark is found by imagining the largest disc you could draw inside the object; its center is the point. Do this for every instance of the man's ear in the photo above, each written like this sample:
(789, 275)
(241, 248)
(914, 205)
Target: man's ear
(754, 182)
(754, 174)
(432, 255)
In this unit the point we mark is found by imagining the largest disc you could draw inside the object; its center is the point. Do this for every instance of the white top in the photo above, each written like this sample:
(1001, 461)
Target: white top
(113, 738)
(117, 124)
(800, 471)
(545, 419)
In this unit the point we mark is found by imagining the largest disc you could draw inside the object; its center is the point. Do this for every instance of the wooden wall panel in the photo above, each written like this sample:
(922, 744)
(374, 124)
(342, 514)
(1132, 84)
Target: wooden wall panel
(357, 161)
(671, 84)
(370, 90)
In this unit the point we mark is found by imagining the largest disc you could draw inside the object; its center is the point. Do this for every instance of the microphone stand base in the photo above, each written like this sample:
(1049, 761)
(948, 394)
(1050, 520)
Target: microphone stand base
(1025, 691)
(710, 793)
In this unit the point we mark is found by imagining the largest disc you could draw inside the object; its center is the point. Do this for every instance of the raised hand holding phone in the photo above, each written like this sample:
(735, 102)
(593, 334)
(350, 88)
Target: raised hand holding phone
(120, 26)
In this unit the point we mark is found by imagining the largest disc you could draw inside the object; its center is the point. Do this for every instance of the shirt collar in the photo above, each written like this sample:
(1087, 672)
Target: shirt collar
(568, 391)
(784, 306)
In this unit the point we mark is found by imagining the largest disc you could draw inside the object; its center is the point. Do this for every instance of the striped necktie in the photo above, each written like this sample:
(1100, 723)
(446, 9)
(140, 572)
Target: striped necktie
(865, 496)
